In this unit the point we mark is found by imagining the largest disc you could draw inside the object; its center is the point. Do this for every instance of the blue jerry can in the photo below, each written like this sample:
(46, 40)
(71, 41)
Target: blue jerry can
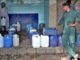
(49, 31)
(59, 40)
(8, 41)
(53, 41)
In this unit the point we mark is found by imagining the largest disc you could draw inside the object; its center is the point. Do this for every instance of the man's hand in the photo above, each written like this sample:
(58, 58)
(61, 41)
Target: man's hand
(73, 24)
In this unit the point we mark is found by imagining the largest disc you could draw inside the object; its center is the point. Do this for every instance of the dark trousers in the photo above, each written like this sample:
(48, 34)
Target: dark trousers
(3, 28)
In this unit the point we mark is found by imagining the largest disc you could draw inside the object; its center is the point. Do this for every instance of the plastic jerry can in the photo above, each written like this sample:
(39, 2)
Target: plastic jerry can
(53, 41)
(15, 40)
(44, 41)
(1, 41)
(59, 40)
(18, 27)
(36, 41)
(8, 41)
(49, 31)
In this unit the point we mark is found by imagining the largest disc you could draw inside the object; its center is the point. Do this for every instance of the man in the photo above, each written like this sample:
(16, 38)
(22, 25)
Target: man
(68, 21)
(4, 14)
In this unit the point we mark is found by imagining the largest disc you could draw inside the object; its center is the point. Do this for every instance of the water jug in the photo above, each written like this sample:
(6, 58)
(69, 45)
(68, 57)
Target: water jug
(8, 41)
(1, 41)
(36, 41)
(15, 40)
(53, 41)
(59, 40)
(44, 41)
(18, 27)
(49, 31)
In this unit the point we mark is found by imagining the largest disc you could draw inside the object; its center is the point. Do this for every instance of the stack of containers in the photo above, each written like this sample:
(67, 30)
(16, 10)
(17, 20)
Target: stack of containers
(48, 38)
(53, 36)
(8, 41)
(43, 37)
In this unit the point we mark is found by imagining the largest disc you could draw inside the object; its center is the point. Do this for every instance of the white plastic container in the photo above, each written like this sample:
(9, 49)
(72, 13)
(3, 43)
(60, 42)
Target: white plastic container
(1, 41)
(15, 40)
(44, 41)
(18, 26)
(36, 41)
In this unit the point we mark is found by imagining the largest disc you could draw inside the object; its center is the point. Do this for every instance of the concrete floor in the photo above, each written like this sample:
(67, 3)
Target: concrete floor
(26, 52)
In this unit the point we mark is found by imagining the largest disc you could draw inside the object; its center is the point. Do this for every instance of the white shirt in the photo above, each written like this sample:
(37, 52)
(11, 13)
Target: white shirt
(3, 22)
